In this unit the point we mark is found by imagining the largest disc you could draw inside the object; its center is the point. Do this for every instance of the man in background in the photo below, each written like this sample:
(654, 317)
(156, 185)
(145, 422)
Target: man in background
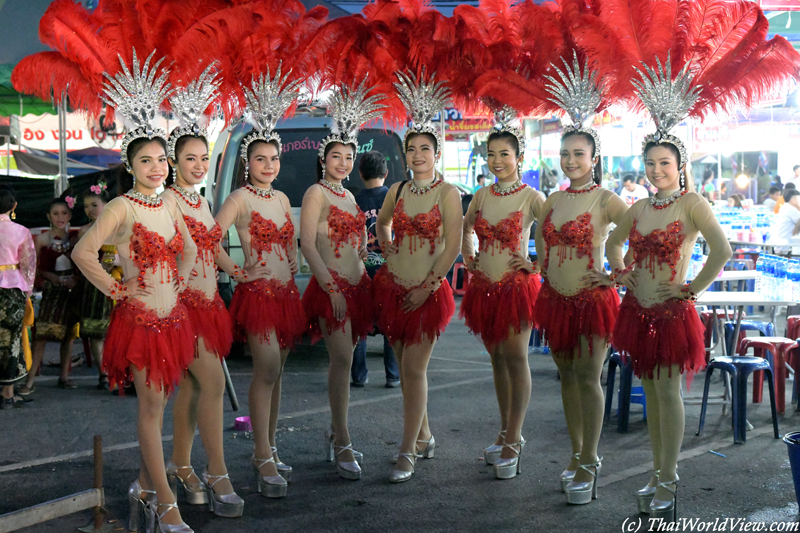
(632, 191)
(373, 172)
(772, 198)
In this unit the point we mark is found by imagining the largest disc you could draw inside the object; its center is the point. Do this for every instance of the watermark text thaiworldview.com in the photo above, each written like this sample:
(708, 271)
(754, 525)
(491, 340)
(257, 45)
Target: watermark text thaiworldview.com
(636, 525)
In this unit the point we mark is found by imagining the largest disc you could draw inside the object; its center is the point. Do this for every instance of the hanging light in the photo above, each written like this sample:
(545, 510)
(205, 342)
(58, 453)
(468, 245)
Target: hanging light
(742, 181)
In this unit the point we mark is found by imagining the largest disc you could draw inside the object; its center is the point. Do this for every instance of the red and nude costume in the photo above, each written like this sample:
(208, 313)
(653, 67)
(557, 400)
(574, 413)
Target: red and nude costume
(151, 332)
(657, 333)
(201, 297)
(497, 298)
(268, 304)
(428, 237)
(339, 233)
(570, 241)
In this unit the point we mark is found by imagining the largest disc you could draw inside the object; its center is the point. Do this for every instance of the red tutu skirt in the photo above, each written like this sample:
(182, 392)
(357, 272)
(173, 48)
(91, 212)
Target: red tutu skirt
(317, 303)
(261, 306)
(211, 320)
(429, 320)
(564, 319)
(492, 308)
(666, 334)
(164, 346)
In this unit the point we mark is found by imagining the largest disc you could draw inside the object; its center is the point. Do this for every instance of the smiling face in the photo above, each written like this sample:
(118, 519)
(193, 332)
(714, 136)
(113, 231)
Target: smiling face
(503, 160)
(192, 164)
(576, 157)
(421, 155)
(661, 166)
(149, 167)
(264, 163)
(339, 161)
(93, 206)
(59, 216)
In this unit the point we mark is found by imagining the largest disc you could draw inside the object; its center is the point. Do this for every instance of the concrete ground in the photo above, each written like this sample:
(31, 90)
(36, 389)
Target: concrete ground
(46, 454)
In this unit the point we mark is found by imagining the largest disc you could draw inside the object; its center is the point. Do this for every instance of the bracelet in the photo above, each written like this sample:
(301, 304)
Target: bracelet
(688, 293)
(118, 291)
(617, 273)
(332, 286)
(239, 273)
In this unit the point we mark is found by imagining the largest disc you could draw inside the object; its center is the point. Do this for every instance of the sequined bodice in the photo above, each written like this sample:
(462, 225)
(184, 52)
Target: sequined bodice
(658, 247)
(575, 236)
(149, 250)
(505, 233)
(346, 228)
(423, 225)
(264, 234)
(205, 239)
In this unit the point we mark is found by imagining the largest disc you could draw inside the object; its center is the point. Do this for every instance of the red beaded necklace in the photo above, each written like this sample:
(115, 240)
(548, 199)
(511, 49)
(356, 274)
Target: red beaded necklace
(151, 202)
(658, 203)
(335, 188)
(513, 189)
(186, 196)
(570, 190)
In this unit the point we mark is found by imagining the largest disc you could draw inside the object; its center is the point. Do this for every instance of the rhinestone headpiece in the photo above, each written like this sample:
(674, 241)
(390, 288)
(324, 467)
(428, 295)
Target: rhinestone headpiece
(667, 101)
(504, 121)
(267, 101)
(578, 94)
(422, 100)
(350, 109)
(137, 97)
(189, 104)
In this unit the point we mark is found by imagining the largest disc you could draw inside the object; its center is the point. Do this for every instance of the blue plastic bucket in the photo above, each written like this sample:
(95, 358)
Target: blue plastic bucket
(792, 441)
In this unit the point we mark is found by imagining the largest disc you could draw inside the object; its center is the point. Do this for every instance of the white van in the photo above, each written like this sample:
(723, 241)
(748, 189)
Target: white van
(300, 137)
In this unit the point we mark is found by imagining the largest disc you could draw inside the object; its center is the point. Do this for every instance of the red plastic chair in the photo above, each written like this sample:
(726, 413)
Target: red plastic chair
(464, 279)
(793, 327)
(780, 348)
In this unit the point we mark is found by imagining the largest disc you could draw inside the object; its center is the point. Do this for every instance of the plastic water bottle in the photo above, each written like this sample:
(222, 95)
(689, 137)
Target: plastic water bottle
(779, 287)
(769, 270)
(793, 278)
(760, 275)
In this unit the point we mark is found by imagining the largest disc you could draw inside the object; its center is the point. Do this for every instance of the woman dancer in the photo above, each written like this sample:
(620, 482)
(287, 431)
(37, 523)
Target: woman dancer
(55, 275)
(203, 387)
(658, 327)
(149, 337)
(498, 304)
(17, 272)
(334, 242)
(266, 306)
(413, 298)
(577, 305)
(96, 307)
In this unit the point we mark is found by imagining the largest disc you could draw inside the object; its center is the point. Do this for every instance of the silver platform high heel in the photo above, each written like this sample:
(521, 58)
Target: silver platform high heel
(666, 510)
(581, 493)
(193, 493)
(284, 470)
(492, 453)
(269, 486)
(429, 450)
(330, 456)
(349, 470)
(224, 505)
(509, 468)
(569, 475)
(398, 476)
(137, 502)
(645, 495)
(160, 527)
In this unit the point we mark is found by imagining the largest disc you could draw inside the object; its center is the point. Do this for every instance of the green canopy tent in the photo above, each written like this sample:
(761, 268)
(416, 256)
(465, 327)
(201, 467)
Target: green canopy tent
(16, 103)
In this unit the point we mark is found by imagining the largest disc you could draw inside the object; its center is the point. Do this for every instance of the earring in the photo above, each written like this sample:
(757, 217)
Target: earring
(323, 171)
(130, 170)
(682, 180)
(246, 173)
(13, 215)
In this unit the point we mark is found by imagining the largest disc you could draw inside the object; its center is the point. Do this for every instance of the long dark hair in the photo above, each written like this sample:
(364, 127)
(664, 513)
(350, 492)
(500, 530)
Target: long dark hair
(7, 198)
(328, 148)
(598, 167)
(240, 181)
(125, 179)
(178, 149)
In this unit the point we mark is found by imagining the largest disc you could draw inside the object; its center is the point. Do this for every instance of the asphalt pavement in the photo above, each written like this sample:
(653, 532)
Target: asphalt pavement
(46, 448)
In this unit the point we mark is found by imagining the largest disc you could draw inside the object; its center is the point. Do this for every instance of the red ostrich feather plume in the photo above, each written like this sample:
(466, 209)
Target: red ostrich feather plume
(487, 38)
(723, 42)
(541, 31)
